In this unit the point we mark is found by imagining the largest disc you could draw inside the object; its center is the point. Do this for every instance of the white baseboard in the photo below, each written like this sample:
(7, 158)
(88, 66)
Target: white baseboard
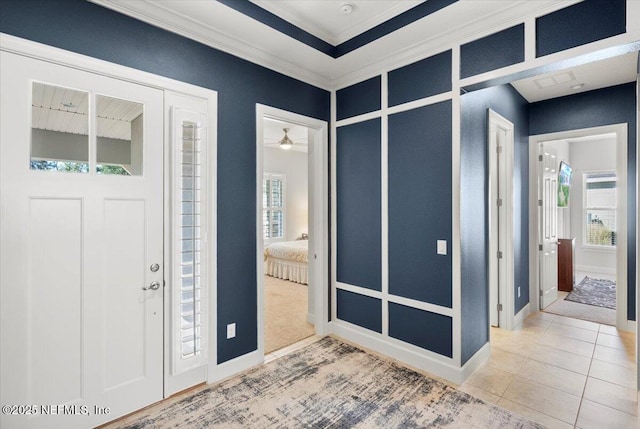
(522, 314)
(406, 354)
(233, 366)
(475, 361)
(631, 326)
(596, 270)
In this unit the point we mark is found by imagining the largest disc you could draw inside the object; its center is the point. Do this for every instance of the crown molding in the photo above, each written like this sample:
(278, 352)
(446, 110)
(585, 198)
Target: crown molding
(157, 15)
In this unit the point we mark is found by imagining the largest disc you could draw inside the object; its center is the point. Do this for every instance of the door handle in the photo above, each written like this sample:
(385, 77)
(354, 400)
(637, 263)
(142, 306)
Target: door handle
(152, 286)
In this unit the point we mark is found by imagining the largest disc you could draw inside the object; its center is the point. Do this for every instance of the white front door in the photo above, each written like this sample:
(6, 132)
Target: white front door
(81, 182)
(548, 237)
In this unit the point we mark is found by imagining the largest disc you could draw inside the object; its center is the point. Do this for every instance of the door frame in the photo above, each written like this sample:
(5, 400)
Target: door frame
(318, 222)
(620, 130)
(27, 48)
(505, 228)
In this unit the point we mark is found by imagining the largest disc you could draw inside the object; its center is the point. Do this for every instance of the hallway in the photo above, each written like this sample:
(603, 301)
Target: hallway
(562, 373)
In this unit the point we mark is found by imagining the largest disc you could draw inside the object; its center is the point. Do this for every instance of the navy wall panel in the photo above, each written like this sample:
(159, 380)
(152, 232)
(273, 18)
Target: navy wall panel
(474, 211)
(363, 97)
(359, 309)
(420, 203)
(421, 79)
(606, 106)
(580, 24)
(421, 328)
(492, 52)
(358, 205)
(98, 32)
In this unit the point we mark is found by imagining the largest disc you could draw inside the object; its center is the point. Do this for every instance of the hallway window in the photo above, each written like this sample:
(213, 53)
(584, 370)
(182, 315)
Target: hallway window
(600, 204)
(273, 210)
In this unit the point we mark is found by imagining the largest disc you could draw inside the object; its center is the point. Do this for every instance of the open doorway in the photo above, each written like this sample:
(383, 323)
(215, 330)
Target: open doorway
(587, 222)
(285, 231)
(292, 227)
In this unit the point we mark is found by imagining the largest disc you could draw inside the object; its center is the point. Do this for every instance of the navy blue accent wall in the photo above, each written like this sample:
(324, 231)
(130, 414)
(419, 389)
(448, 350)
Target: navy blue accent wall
(359, 309)
(580, 24)
(492, 52)
(421, 328)
(98, 32)
(421, 79)
(358, 205)
(420, 203)
(606, 106)
(505, 101)
(362, 97)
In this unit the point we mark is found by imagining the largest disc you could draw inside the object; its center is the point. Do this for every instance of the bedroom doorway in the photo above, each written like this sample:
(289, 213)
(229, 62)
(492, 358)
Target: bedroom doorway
(291, 185)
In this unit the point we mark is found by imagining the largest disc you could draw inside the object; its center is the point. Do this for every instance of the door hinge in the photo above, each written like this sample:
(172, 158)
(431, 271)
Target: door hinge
(499, 149)
(540, 247)
(539, 203)
(499, 307)
(540, 158)
(499, 202)
(499, 254)
(541, 292)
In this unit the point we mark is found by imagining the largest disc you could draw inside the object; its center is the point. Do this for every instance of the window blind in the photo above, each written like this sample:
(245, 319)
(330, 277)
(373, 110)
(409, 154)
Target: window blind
(189, 237)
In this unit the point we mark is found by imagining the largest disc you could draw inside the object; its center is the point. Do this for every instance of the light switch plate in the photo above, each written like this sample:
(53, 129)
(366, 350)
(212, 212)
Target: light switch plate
(442, 247)
(231, 330)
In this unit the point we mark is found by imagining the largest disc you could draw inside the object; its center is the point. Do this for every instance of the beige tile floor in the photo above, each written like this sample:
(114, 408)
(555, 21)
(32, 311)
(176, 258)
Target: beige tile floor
(562, 373)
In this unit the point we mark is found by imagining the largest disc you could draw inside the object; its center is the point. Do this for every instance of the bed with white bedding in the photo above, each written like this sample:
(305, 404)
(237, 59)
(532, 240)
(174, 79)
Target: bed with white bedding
(288, 260)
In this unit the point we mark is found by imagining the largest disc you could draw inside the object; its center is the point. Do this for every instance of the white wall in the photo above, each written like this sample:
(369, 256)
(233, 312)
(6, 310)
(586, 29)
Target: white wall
(586, 156)
(294, 165)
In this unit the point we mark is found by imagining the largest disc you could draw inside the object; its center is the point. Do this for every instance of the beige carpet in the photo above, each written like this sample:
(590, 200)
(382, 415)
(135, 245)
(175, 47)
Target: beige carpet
(591, 313)
(329, 384)
(285, 314)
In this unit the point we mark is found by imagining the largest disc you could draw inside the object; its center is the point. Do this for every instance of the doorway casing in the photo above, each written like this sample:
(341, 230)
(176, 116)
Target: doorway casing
(318, 216)
(500, 194)
(620, 130)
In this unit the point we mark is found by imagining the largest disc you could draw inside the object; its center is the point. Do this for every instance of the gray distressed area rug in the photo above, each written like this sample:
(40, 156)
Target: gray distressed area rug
(330, 384)
(598, 292)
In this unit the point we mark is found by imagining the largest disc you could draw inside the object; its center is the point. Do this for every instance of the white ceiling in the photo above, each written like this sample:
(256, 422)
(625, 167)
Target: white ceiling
(224, 28)
(595, 75)
(324, 19)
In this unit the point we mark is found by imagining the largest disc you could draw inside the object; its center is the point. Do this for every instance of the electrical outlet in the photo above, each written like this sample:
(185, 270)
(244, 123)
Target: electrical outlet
(518, 291)
(442, 247)
(231, 330)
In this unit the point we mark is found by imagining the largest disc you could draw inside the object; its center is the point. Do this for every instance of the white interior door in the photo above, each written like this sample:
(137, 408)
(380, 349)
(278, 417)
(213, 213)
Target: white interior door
(81, 298)
(548, 241)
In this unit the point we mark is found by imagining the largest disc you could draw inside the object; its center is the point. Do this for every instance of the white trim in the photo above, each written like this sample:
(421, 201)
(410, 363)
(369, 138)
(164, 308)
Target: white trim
(334, 212)
(621, 173)
(415, 356)
(522, 314)
(359, 118)
(505, 227)
(445, 96)
(385, 297)
(384, 202)
(236, 365)
(318, 184)
(475, 362)
(456, 236)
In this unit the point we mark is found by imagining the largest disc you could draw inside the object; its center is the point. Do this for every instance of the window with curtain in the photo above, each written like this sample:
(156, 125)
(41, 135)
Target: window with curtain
(273, 210)
(600, 203)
